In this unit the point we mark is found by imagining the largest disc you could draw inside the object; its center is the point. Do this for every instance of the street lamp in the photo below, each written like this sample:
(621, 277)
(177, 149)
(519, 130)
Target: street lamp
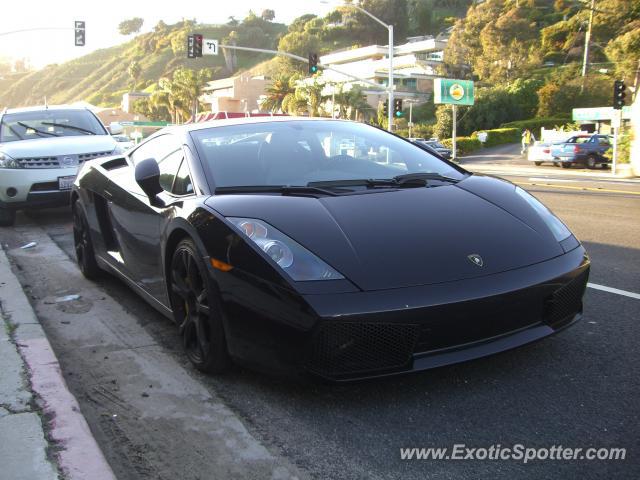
(390, 76)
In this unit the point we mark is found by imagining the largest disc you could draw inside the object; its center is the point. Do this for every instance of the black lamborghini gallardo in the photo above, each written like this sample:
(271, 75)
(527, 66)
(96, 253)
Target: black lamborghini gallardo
(325, 246)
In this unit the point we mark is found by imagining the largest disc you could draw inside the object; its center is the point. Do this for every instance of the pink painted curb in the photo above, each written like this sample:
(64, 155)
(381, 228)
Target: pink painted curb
(80, 457)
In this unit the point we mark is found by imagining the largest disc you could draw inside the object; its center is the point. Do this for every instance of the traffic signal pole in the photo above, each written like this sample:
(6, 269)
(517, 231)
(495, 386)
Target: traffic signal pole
(305, 60)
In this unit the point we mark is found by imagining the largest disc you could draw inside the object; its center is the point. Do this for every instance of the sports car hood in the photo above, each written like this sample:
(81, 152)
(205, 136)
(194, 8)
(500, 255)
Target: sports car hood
(415, 236)
(51, 147)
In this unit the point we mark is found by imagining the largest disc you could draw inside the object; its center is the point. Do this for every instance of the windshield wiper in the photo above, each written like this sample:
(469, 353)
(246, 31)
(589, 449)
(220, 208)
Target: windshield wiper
(422, 177)
(282, 189)
(362, 182)
(39, 132)
(70, 127)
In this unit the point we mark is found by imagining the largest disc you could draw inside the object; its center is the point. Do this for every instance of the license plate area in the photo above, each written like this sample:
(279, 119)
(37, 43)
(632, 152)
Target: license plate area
(65, 183)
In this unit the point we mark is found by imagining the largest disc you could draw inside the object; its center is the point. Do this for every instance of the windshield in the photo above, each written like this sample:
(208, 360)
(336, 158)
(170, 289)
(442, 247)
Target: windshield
(47, 124)
(297, 153)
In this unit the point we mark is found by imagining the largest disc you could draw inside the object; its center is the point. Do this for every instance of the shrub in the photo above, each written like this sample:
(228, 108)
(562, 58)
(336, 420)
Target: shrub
(500, 136)
(463, 144)
(536, 124)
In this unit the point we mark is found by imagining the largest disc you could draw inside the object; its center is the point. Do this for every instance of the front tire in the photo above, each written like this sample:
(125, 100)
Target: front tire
(85, 253)
(7, 217)
(565, 165)
(537, 163)
(197, 311)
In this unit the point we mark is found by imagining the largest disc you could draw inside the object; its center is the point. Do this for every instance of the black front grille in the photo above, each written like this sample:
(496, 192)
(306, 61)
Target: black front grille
(347, 348)
(566, 301)
(44, 187)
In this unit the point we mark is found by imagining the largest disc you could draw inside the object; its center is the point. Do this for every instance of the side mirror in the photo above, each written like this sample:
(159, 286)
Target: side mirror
(115, 128)
(148, 177)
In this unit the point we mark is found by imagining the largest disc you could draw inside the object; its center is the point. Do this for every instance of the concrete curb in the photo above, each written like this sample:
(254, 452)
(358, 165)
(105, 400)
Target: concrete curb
(78, 454)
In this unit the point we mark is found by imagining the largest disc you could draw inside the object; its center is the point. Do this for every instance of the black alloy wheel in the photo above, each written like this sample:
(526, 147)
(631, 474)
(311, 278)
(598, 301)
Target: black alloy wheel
(197, 310)
(83, 245)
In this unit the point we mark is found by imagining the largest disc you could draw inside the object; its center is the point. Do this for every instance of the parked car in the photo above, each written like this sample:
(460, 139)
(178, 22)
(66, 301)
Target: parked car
(539, 153)
(289, 255)
(40, 151)
(438, 147)
(588, 150)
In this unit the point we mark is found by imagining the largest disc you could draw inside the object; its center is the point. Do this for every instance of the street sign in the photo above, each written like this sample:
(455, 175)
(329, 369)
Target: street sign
(599, 114)
(80, 33)
(191, 53)
(453, 92)
(210, 47)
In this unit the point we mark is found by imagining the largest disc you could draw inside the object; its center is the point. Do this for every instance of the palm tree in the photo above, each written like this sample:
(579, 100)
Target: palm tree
(281, 87)
(190, 87)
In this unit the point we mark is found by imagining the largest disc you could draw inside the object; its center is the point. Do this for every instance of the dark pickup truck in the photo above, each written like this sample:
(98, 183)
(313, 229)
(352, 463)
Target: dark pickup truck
(588, 150)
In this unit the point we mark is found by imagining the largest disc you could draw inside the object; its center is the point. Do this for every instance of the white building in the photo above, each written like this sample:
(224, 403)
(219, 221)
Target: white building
(415, 65)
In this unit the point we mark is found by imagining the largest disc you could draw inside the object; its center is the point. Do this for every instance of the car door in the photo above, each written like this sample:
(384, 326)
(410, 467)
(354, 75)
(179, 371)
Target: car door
(603, 146)
(137, 223)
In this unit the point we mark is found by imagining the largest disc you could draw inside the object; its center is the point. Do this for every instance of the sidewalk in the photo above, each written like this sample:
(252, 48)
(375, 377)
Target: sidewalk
(43, 435)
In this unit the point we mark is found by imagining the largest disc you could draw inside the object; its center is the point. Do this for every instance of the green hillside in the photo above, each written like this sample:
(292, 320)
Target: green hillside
(101, 77)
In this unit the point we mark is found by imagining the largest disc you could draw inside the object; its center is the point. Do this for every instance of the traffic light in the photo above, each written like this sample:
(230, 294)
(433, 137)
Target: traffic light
(397, 108)
(197, 45)
(80, 33)
(313, 63)
(190, 47)
(618, 94)
(385, 108)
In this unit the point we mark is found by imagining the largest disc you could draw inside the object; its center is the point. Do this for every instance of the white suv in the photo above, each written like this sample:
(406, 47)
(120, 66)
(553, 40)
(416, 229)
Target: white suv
(41, 149)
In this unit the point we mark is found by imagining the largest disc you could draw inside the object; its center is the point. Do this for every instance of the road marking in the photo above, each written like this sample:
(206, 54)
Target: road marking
(535, 179)
(595, 286)
(589, 189)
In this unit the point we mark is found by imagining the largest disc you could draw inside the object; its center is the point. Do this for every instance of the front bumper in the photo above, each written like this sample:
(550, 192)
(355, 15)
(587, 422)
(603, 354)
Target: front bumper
(35, 188)
(349, 336)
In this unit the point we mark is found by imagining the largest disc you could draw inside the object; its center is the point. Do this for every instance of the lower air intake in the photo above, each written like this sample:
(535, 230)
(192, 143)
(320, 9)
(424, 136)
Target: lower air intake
(566, 301)
(347, 348)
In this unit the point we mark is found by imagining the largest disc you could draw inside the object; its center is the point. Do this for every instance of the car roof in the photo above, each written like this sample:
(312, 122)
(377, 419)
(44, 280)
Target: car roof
(37, 108)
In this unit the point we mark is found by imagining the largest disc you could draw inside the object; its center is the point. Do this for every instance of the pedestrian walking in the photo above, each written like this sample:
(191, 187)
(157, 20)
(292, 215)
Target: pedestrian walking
(526, 141)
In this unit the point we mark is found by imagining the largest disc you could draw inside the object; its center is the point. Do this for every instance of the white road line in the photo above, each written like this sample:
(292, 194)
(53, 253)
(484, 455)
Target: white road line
(595, 286)
(538, 179)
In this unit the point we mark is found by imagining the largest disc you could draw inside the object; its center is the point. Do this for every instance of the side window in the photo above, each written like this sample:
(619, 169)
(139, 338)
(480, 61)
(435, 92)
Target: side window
(182, 184)
(603, 140)
(168, 169)
(158, 148)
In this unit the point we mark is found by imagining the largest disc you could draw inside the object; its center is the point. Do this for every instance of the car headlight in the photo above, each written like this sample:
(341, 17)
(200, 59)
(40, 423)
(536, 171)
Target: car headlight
(7, 162)
(296, 261)
(559, 229)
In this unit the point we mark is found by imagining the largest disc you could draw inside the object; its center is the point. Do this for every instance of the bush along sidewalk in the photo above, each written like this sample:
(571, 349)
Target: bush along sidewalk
(497, 136)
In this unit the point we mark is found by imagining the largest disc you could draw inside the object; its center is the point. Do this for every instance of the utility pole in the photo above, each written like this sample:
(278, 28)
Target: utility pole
(454, 133)
(390, 27)
(587, 40)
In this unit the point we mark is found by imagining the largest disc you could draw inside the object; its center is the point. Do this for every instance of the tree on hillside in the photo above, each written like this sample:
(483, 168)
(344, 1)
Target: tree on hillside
(133, 25)
(624, 50)
(134, 70)
(268, 15)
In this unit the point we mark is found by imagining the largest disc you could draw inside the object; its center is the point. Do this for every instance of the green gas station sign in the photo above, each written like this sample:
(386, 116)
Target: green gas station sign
(453, 92)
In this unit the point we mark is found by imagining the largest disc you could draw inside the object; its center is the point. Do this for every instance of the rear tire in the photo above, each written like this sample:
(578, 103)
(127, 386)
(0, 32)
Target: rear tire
(538, 163)
(197, 310)
(7, 217)
(592, 162)
(565, 165)
(83, 245)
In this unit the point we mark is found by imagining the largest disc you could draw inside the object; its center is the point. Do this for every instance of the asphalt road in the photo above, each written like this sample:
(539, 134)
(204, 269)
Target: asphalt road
(579, 388)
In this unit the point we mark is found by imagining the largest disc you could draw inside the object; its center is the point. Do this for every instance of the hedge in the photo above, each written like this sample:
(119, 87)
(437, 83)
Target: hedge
(500, 136)
(463, 144)
(536, 124)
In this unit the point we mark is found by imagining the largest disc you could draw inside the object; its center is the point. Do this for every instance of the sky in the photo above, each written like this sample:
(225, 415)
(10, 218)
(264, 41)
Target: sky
(102, 18)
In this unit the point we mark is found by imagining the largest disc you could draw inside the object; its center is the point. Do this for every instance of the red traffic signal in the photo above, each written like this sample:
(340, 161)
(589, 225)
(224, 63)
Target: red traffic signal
(197, 44)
